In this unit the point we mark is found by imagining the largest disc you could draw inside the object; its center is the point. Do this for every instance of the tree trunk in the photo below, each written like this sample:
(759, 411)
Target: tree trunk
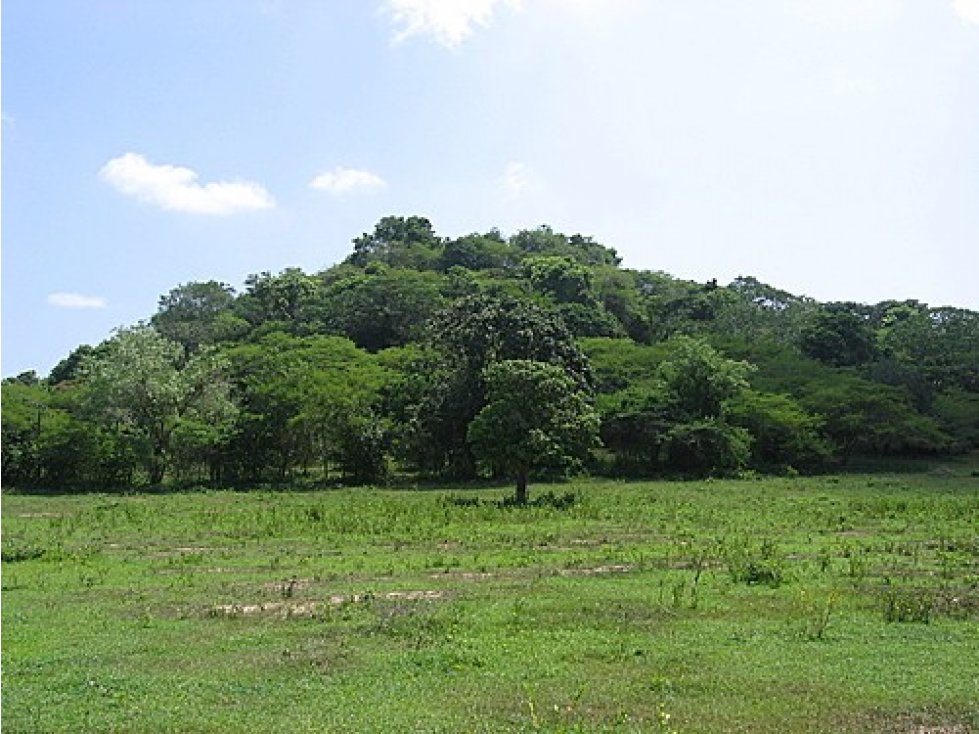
(157, 472)
(521, 494)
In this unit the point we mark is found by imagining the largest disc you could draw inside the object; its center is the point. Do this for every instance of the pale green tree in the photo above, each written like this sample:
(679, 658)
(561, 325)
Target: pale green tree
(142, 385)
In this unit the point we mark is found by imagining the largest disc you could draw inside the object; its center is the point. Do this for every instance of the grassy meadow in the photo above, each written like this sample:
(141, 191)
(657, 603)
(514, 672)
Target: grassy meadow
(824, 604)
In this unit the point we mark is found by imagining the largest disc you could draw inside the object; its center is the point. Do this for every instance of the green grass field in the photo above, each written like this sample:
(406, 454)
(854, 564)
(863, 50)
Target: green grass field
(829, 604)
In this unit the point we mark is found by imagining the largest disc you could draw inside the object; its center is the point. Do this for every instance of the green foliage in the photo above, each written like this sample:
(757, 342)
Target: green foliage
(957, 413)
(383, 308)
(839, 336)
(764, 313)
(783, 433)
(306, 401)
(545, 241)
(589, 320)
(670, 362)
(705, 446)
(470, 335)
(198, 314)
(618, 363)
(23, 411)
(535, 417)
(903, 603)
(67, 369)
(675, 420)
(477, 252)
(408, 242)
(287, 300)
(697, 380)
(561, 278)
(142, 387)
(756, 565)
(865, 418)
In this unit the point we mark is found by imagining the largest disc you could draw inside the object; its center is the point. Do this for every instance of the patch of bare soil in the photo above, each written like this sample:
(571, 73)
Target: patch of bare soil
(300, 609)
(921, 723)
(597, 570)
(467, 575)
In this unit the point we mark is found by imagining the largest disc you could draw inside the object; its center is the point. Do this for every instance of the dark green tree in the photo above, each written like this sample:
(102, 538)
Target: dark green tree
(198, 314)
(864, 418)
(287, 300)
(408, 242)
(382, 308)
(536, 416)
(477, 252)
(838, 335)
(464, 339)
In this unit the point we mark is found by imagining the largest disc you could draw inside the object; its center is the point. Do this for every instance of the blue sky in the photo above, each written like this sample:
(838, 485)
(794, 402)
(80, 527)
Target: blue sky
(828, 147)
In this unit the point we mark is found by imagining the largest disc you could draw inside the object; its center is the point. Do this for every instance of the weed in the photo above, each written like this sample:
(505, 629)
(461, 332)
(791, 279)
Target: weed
(813, 611)
(550, 500)
(906, 604)
(761, 566)
(26, 552)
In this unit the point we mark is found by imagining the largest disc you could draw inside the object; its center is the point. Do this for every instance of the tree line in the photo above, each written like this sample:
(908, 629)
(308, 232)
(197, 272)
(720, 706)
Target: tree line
(536, 354)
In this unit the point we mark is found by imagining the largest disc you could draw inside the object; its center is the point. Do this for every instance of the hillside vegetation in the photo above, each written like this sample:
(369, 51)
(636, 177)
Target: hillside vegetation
(429, 356)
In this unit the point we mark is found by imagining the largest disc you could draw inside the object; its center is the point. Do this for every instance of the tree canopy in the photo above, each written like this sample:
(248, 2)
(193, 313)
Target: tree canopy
(492, 355)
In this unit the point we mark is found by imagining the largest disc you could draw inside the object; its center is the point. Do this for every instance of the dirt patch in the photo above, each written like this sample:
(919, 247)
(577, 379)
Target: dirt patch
(272, 609)
(297, 609)
(597, 570)
(924, 722)
(467, 575)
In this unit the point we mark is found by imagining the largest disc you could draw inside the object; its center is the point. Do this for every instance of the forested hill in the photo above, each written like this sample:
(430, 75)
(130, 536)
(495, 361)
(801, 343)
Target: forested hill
(484, 355)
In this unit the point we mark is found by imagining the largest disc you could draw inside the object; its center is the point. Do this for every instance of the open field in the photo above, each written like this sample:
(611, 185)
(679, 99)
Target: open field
(823, 604)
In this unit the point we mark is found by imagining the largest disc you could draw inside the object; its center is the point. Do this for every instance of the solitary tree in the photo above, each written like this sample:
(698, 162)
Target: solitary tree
(536, 417)
(474, 332)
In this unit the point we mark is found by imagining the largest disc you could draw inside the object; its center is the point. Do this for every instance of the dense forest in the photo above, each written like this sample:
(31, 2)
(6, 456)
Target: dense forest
(532, 355)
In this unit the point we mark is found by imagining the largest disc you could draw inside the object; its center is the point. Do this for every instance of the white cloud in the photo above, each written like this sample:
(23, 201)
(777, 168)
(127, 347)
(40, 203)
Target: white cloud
(516, 177)
(176, 188)
(76, 300)
(345, 180)
(968, 10)
(449, 22)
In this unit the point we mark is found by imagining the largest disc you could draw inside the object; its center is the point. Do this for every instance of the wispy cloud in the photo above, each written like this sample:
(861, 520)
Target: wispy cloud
(968, 10)
(346, 180)
(76, 300)
(177, 189)
(449, 22)
(516, 177)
